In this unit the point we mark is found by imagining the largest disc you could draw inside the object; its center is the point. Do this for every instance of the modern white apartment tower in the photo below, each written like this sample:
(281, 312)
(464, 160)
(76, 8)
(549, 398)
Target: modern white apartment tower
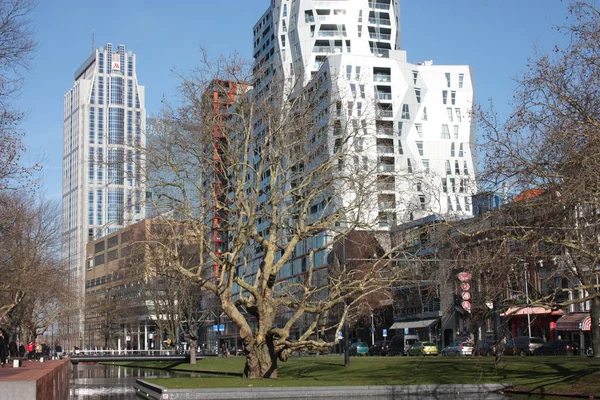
(103, 165)
(417, 132)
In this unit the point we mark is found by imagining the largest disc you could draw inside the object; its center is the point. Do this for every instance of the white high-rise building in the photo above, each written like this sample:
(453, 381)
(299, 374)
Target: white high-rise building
(103, 162)
(415, 119)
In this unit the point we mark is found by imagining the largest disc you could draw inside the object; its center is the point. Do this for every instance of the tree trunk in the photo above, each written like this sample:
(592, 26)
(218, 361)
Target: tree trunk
(595, 316)
(193, 343)
(261, 361)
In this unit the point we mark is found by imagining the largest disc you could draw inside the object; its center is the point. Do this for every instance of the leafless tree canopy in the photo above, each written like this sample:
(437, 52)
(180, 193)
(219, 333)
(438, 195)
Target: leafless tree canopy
(546, 152)
(265, 192)
(17, 44)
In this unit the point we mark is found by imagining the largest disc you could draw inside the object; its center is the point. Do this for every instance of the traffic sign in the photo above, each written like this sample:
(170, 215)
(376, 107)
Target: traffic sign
(385, 333)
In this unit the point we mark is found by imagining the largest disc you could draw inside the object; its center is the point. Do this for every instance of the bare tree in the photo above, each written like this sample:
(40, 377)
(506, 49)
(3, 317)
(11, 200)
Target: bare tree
(17, 44)
(33, 284)
(267, 185)
(547, 149)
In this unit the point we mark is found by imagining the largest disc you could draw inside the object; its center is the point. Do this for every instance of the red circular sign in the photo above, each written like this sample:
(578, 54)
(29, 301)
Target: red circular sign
(466, 296)
(466, 305)
(465, 286)
(464, 276)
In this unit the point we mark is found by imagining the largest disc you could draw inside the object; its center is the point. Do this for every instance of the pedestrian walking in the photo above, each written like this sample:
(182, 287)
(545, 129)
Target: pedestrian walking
(30, 350)
(38, 350)
(3, 348)
(12, 348)
(21, 350)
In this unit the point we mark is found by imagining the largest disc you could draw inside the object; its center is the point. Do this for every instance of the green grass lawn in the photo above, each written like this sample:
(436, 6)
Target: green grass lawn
(556, 375)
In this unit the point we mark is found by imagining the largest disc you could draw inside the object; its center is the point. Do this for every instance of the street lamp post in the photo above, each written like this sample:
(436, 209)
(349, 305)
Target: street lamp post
(527, 302)
(372, 330)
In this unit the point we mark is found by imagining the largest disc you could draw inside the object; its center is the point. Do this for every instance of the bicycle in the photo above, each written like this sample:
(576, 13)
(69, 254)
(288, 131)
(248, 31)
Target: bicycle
(589, 352)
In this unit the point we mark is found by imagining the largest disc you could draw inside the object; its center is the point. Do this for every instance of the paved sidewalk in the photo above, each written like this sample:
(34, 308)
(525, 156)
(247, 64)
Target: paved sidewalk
(145, 388)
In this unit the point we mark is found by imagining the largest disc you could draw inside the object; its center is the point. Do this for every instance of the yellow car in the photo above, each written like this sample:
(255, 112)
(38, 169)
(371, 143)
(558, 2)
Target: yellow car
(423, 349)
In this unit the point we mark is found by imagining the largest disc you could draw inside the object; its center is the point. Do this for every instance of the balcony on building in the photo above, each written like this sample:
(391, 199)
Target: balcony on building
(384, 128)
(379, 33)
(382, 74)
(328, 30)
(383, 93)
(385, 183)
(380, 21)
(386, 201)
(380, 4)
(386, 219)
(386, 164)
(385, 146)
(384, 111)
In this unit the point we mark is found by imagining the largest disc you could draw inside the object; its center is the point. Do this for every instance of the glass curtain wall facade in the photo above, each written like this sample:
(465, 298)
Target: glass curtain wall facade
(103, 163)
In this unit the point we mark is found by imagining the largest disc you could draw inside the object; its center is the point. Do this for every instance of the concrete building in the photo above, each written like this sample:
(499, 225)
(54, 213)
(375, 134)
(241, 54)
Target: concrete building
(103, 184)
(414, 119)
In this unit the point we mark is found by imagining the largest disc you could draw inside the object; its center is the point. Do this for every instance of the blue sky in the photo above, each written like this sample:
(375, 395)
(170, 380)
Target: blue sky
(495, 37)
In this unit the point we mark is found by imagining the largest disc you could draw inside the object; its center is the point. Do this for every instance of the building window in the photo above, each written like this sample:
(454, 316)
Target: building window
(460, 150)
(357, 73)
(422, 201)
(456, 168)
(419, 129)
(284, 14)
(92, 124)
(399, 128)
(455, 131)
(444, 96)
(453, 185)
(418, 94)
(458, 115)
(426, 165)
(461, 78)
(350, 108)
(448, 79)
(453, 97)
(353, 89)
(449, 111)
(424, 113)
(348, 72)
(100, 125)
(445, 185)
(452, 150)
(465, 168)
(362, 91)
(420, 148)
(409, 165)
(101, 63)
(445, 132)
(458, 207)
(415, 76)
(450, 204)
(100, 90)
(91, 165)
(467, 203)
(448, 168)
(405, 111)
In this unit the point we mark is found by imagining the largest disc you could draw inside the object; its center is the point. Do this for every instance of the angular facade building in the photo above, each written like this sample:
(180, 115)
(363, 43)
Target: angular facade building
(414, 120)
(103, 162)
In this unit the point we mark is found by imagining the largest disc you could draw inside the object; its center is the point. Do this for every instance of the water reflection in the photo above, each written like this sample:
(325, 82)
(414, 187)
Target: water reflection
(104, 382)
(108, 382)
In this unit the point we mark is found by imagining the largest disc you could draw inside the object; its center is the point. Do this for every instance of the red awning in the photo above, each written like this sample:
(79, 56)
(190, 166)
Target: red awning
(571, 322)
(514, 311)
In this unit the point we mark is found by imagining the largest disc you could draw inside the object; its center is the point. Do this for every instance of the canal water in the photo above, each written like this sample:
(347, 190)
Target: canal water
(112, 382)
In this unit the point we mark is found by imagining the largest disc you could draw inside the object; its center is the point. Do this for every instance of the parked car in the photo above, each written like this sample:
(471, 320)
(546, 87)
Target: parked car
(379, 348)
(557, 348)
(522, 346)
(458, 348)
(422, 349)
(400, 344)
(484, 348)
(359, 349)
